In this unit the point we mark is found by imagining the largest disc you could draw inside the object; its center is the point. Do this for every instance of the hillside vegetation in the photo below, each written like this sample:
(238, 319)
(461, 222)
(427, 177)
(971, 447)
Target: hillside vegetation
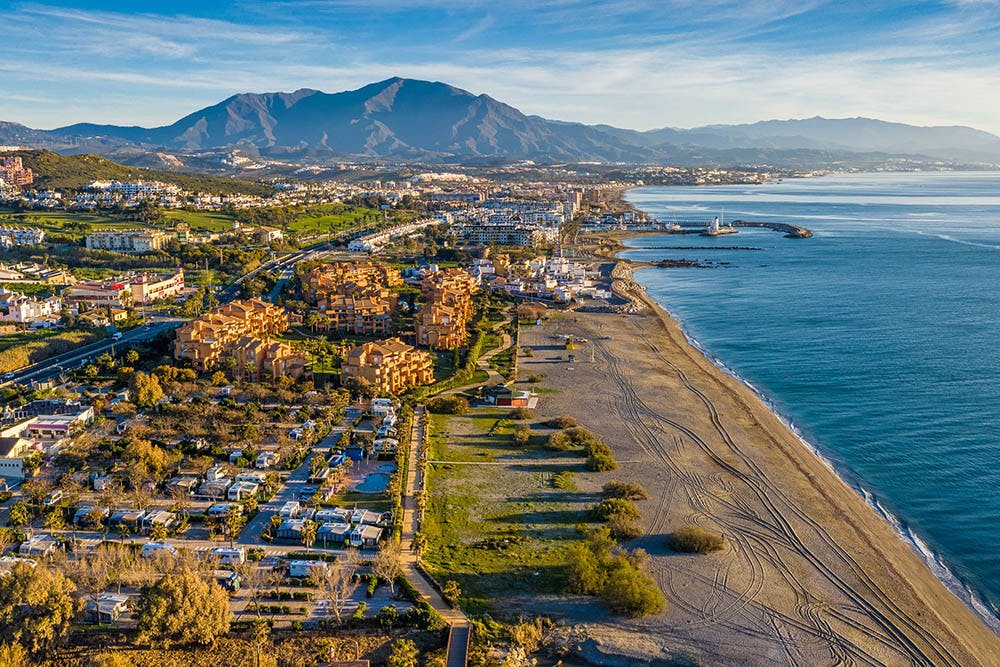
(73, 172)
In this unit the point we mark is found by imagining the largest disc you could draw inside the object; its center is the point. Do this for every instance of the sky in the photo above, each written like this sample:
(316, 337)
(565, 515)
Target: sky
(639, 64)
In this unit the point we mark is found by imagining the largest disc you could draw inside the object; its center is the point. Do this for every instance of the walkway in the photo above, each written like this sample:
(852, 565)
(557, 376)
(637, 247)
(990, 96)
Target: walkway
(458, 639)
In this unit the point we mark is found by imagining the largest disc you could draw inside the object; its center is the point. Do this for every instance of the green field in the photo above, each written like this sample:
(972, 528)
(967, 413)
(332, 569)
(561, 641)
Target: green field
(496, 522)
(332, 218)
(208, 221)
(63, 222)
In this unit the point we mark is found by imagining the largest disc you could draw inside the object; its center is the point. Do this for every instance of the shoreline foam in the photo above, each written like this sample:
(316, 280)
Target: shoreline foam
(931, 558)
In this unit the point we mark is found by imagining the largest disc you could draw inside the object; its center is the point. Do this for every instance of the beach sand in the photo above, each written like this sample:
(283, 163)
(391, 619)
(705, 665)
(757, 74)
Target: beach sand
(811, 574)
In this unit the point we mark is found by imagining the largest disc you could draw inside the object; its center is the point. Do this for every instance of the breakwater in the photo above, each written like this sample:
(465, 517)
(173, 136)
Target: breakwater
(791, 231)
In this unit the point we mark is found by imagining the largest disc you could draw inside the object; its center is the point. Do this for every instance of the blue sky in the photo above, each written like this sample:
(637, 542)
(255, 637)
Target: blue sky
(631, 63)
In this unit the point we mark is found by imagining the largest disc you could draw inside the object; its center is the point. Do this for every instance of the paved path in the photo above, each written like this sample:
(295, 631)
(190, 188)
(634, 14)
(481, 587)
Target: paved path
(458, 639)
(484, 363)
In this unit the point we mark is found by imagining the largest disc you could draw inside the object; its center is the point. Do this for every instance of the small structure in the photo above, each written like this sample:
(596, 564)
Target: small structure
(304, 568)
(506, 396)
(291, 529)
(242, 490)
(291, 509)
(152, 549)
(222, 509)
(41, 546)
(335, 534)
(104, 608)
(228, 555)
(266, 460)
(366, 537)
(158, 518)
(128, 517)
(86, 516)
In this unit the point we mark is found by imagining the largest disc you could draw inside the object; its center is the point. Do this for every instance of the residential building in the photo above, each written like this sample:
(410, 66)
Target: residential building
(13, 452)
(443, 320)
(365, 316)
(128, 241)
(13, 172)
(240, 331)
(389, 366)
(150, 287)
(18, 236)
(349, 278)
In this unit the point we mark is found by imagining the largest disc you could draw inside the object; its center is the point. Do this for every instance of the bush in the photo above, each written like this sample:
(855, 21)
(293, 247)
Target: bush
(614, 508)
(630, 591)
(559, 442)
(597, 567)
(566, 480)
(694, 539)
(522, 413)
(628, 490)
(562, 421)
(522, 435)
(622, 529)
(535, 378)
(448, 405)
(600, 461)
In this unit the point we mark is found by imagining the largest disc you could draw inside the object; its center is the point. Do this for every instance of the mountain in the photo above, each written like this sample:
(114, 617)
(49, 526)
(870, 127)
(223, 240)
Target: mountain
(408, 119)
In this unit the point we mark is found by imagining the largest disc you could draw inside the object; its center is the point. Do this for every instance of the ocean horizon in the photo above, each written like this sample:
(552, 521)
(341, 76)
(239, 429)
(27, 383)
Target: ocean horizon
(873, 340)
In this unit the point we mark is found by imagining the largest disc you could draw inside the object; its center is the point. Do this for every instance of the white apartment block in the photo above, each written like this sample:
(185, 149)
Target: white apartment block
(16, 236)
(127, 241)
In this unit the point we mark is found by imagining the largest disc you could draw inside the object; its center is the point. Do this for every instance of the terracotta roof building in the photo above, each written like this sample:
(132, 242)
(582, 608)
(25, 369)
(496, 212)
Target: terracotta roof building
(389, 366)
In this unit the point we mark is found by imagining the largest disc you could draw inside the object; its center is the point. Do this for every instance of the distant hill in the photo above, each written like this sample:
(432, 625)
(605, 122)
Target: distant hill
(432, 121)
(55, 171)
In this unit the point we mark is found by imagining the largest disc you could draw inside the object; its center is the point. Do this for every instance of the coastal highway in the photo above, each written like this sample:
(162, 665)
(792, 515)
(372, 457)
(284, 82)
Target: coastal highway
(59, 364)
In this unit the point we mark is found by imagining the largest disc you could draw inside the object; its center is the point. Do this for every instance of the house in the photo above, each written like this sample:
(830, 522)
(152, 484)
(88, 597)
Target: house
(103, 608)
(222, 509)
(334, 534)
(291, 529)
(229, 556)
(38, 546)
(214, 489)
(290, 509)
(215, 473)
(332, 515)
(235, 456)
(367, 517)
(85, 516)
(257, 478)
(503, 395)
(56, 427)
(242, 490)
(304, 568)
(158, 518)
(380, 407)
(13, 452)
(153, 549)
(366, 537)
(127, 517)
(266, 460)
(183, 485)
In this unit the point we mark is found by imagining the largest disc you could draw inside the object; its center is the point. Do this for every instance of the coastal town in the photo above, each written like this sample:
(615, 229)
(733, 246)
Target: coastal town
(374, 415)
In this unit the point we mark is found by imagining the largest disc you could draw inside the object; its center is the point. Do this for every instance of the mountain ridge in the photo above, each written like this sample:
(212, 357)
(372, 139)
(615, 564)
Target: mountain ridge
(411, 119)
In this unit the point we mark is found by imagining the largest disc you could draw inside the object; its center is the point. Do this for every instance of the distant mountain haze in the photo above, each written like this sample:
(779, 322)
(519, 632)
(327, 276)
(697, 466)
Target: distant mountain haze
(432, 121)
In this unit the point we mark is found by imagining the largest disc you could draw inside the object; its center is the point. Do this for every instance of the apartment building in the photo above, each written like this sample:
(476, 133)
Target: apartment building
(268, 359)
(18, 236)
(128, 241)
(28, 310)
(13, 172)
(503, 234)
(389, 366)
(349, 278)
(367, 316)
(443, 320)
(209, 339)
(150, 287)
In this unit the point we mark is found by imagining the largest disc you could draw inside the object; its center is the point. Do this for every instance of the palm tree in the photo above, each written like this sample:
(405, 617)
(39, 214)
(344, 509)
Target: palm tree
(308, 533)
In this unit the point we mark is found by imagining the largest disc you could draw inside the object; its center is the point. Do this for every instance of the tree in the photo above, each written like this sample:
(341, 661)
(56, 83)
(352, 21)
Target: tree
(234, 522)
(386, 563)
(146, 390)
(158, 532)
(451, 591)
(404, 654)
(260, 632)
(13, 655)
(54, 520)
(19, 515)
(37, 606)
(336, 581)
(308, 533)
(183, 608)
(131, 357)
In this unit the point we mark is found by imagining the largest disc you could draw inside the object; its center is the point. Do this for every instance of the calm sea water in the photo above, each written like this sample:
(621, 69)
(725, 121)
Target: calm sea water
(878, 338)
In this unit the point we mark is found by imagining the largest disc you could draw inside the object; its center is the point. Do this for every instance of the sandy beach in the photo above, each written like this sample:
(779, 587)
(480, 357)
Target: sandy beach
(811, 574)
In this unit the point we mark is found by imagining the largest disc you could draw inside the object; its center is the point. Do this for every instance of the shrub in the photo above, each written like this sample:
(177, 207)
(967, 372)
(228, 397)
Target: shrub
(535, 378)
(448, 405)
(559, 441)
(614, 508)
(597, 567)
(629, 490)
(562, 421)
(522, 435)
(694, 539)
(600, 461)
(630, 591)
(566, 480)
(522, 413)
(622, 529)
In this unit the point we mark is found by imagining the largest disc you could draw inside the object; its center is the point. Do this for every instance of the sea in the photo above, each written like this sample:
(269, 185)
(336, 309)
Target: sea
(877, 340)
